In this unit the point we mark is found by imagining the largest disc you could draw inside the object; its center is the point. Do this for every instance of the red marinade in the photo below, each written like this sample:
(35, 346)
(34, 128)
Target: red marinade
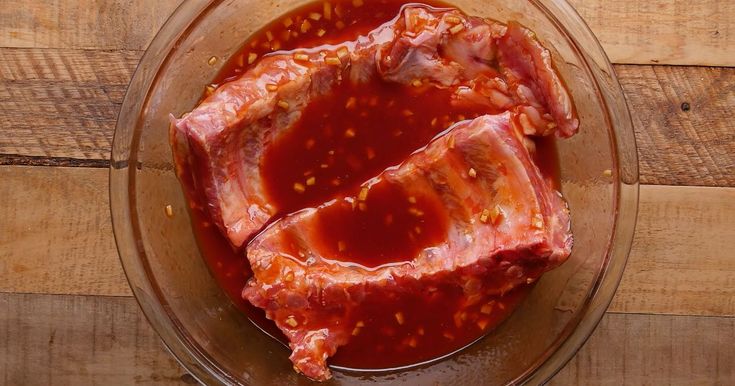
(341, 141)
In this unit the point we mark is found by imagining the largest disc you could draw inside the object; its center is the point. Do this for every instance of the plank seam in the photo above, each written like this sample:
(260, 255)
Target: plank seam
(30, 160)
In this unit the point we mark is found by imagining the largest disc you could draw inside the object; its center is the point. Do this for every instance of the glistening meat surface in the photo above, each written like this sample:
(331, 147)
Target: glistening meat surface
(484, 63)
(505, 227)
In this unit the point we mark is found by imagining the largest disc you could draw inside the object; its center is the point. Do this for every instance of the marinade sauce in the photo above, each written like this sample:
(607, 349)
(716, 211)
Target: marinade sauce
(343, 140)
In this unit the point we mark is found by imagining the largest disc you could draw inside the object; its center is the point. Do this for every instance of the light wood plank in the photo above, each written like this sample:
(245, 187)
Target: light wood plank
(632, 31)
(55, 226)
(663, 31)
(682, 261)
(86, 24)
(73, 340)
(638, 350)
(64, 103)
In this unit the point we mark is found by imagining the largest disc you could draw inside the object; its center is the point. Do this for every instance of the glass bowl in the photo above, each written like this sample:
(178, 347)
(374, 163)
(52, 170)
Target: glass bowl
(216, 343)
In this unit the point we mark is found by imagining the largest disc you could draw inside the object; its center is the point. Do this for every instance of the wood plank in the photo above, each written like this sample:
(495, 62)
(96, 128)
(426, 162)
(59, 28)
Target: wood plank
(64, 103)
(632, 31)
(86, 24)
(681, 262)
(677, 146)
(663, 31)
(628, 349)
(56, 225)
(71, 340)
(80, 340)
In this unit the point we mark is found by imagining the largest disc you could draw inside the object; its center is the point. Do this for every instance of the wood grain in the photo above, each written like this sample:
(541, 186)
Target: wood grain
(628, 349)
(64, 68)
(64, 103)
(80, 340)
(676, 145)
(61, 103)
(72, 340)
(631, 31)
(56, 232)
(86, 24)
(682, 261)
(663, 31)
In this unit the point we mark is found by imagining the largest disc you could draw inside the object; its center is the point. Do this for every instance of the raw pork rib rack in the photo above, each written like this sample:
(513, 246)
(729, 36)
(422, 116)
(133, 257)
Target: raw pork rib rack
(507, 226)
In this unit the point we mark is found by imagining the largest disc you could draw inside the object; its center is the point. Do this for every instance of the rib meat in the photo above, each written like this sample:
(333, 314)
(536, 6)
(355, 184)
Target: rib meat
(506, 227)
(218, 146)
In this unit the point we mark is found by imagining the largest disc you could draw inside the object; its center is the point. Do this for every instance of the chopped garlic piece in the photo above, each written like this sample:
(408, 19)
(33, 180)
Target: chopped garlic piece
(495, 214)
(450, 142)
(456, 29)
(537, 221)
(363, 194)
(327, 11)
(415, 212)
(332, 61)
(291, 321)
(305, 26)
(452, 19)
(399, 318)
(301, 57)
(351, 102)
(484, 215)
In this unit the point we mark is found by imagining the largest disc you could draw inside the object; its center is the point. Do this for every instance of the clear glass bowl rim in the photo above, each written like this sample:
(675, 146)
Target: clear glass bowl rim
(198, 363)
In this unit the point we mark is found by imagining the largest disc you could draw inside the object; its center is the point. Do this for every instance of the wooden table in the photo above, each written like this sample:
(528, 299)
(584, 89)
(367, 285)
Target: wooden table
(67, 315)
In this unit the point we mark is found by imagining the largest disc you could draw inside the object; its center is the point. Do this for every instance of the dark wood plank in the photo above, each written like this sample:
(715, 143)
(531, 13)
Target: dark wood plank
(61, 103)
(64, 103)
(75, 340)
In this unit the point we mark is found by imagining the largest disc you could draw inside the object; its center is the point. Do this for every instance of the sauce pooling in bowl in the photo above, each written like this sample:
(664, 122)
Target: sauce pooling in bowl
(341, 140)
